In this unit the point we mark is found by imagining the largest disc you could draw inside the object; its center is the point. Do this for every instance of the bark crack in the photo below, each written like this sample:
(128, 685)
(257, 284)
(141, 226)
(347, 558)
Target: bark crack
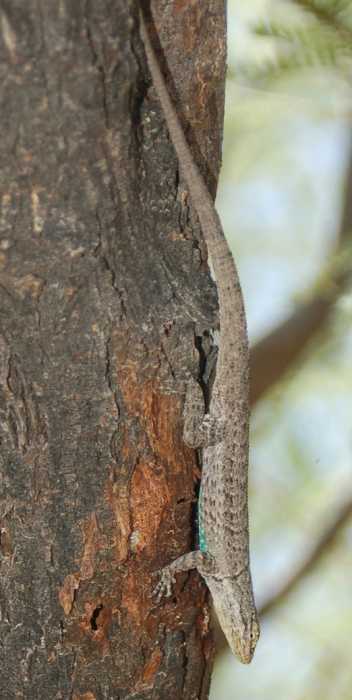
(99, 65)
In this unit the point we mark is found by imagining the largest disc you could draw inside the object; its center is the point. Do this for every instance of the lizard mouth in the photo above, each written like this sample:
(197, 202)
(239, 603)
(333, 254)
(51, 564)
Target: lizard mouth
(243, 646)
(244, 652)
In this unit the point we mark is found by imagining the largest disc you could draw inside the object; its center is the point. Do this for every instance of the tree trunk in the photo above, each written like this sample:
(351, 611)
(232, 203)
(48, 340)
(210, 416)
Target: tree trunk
(106, 304)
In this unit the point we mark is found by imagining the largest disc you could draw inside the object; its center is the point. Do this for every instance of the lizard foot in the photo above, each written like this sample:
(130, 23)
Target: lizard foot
(186, 562)
(165, 584)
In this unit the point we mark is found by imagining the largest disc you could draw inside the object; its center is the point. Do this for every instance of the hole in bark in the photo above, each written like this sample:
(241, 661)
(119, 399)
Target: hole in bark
(167, 327)
(94, 618)
(62, 631)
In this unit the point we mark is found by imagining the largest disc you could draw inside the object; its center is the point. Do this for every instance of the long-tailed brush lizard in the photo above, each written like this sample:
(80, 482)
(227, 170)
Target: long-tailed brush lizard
(222, 433)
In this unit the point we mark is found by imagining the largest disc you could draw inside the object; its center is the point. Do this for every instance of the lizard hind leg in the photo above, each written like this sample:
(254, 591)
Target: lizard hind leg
(200, 429)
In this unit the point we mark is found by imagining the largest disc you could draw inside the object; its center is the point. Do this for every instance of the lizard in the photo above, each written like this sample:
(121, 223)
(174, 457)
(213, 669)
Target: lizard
(222, 433)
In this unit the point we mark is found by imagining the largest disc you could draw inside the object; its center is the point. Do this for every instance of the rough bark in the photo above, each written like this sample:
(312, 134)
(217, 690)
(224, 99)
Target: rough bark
(105, 305)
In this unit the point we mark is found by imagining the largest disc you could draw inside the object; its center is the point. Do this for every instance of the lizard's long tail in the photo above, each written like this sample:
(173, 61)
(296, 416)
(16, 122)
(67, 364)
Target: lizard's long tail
(232, 314)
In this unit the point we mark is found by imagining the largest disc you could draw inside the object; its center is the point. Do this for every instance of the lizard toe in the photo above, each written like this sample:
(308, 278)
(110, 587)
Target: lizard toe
(163, 589)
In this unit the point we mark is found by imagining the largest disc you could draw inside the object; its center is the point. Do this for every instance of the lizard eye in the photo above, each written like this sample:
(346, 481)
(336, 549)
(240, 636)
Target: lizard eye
(254, 634)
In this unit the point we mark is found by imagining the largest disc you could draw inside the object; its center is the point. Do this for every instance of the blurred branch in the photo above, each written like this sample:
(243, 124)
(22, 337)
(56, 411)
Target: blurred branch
(275, 353)
(323, 543)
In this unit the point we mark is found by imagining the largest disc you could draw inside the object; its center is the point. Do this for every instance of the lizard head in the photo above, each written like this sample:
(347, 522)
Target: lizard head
(235, 608)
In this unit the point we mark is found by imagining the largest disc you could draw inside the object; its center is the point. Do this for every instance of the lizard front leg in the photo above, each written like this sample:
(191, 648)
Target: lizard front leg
(192, 560)
(200, 429)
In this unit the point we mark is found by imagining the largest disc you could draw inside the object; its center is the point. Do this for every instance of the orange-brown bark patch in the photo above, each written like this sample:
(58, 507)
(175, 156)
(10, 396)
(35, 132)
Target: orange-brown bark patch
(117, 495)
(68, 591)
(135, 597)
(149, 497)
(91, 543)
(150, 670)
(159, 415)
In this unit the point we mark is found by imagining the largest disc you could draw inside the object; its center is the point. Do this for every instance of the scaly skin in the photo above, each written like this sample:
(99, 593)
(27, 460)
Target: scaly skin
(223, 432)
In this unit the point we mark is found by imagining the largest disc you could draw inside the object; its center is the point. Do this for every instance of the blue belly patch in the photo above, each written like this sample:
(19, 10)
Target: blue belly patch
(202, 543)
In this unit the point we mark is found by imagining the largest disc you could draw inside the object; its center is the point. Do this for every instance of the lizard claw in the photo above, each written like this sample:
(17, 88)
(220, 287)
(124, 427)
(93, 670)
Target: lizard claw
(164, 586)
